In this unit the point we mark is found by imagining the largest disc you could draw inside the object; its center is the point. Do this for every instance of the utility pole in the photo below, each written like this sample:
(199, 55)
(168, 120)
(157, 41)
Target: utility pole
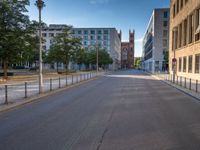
(40, 4)
(97, 49)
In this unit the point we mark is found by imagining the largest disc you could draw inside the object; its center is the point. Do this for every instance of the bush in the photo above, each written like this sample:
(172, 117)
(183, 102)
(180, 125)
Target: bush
(9, 74)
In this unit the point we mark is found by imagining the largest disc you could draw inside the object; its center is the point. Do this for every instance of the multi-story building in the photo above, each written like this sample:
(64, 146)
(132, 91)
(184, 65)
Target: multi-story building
(155, 42)
(127, 52)
(107, 38)
(184, 51)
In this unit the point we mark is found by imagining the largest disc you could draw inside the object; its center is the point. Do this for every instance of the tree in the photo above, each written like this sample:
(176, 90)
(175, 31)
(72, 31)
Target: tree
(13, 23)
(137, 62)
(104, 57)
(64, 48)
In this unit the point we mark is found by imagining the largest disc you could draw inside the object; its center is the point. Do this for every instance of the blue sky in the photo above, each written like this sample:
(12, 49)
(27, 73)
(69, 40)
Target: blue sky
(121, 14)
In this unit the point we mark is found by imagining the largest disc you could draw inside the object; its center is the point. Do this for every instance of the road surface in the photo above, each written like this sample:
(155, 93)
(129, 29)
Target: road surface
(127, 110)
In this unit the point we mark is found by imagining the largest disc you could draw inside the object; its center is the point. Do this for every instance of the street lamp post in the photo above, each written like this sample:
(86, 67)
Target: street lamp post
(40, 5)
(97, 48)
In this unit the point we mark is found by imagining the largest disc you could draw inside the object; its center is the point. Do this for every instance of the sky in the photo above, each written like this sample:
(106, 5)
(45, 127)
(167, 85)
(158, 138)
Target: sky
(124, 15)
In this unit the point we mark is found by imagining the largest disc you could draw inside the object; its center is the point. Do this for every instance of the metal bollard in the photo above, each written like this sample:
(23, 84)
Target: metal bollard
(6, 94)
(177, 80)
(59, 83)
(181, 81)
(190, 84)
(72, 79)
(76, 78)
(50, 84)
(185, 83)
(196, 86)
(25, 88)
(66, 81)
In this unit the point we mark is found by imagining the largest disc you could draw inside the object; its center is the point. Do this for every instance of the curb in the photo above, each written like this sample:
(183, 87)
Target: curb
(183, 90)
(36, 98)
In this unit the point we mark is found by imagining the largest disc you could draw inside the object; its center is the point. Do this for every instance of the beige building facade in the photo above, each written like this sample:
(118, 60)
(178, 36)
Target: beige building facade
(185, 38)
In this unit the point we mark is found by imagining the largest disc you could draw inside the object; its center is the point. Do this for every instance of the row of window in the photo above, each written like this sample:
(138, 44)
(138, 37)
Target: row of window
(185, 64)
(178, 5)
(106, 32)
(50, 34)
(90, 32)
(187, 31)
(105, 43)
(94, 37)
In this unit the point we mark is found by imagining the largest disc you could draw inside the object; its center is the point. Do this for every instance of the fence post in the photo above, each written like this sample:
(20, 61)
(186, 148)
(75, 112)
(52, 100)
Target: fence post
(6, 94)
(196, 86)
(66, 81)
(181, 81)
(72, 79)
(77, 78)
(59, 83)
(185, 83)
(51, 84)
(25, 87)
(190, 84)
(171, 78)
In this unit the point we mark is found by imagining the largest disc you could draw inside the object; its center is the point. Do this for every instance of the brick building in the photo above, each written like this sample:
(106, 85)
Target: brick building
(185, 38)
(127, 52)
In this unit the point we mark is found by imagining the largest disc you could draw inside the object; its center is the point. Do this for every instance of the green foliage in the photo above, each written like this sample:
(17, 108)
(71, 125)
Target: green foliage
(64, 48)
(166, 56)
(15, 32)
(137, 62)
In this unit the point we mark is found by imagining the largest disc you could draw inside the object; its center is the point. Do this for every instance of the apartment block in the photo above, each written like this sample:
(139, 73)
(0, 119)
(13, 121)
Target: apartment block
(107, 38)
(184, 50)
(156, 41)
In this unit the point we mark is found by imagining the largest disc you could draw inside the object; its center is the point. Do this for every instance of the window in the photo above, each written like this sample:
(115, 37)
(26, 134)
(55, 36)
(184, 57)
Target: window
(174, 10)
(105, 37)
(85, 43)
(197, 32)
(185, 32)
(165, 32)
(105, 31)
(191, 28)
(79, 32)
(99, 38)
(99, 32)
(92, 37)
(177, 6)
(190, 64)
(92, 32)
(184, 63)
(175, 38)
(44, 35)
(165, 23)
(180, 64)
(85, 37)
(181, 4)
(85, 32)
(164, 43)
(197, 61)
(51, 34)
(165, 14)
(180, 36)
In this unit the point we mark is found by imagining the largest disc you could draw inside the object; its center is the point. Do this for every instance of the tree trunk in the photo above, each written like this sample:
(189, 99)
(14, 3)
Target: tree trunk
(57, 66)
(5, 69)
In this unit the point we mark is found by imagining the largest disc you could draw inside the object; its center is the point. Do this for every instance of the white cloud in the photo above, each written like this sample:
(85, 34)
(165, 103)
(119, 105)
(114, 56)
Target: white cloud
(139, 40)
(99, 1)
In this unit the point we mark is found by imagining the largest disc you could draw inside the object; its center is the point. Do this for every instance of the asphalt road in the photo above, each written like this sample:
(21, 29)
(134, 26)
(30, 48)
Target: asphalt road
(124, 111)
